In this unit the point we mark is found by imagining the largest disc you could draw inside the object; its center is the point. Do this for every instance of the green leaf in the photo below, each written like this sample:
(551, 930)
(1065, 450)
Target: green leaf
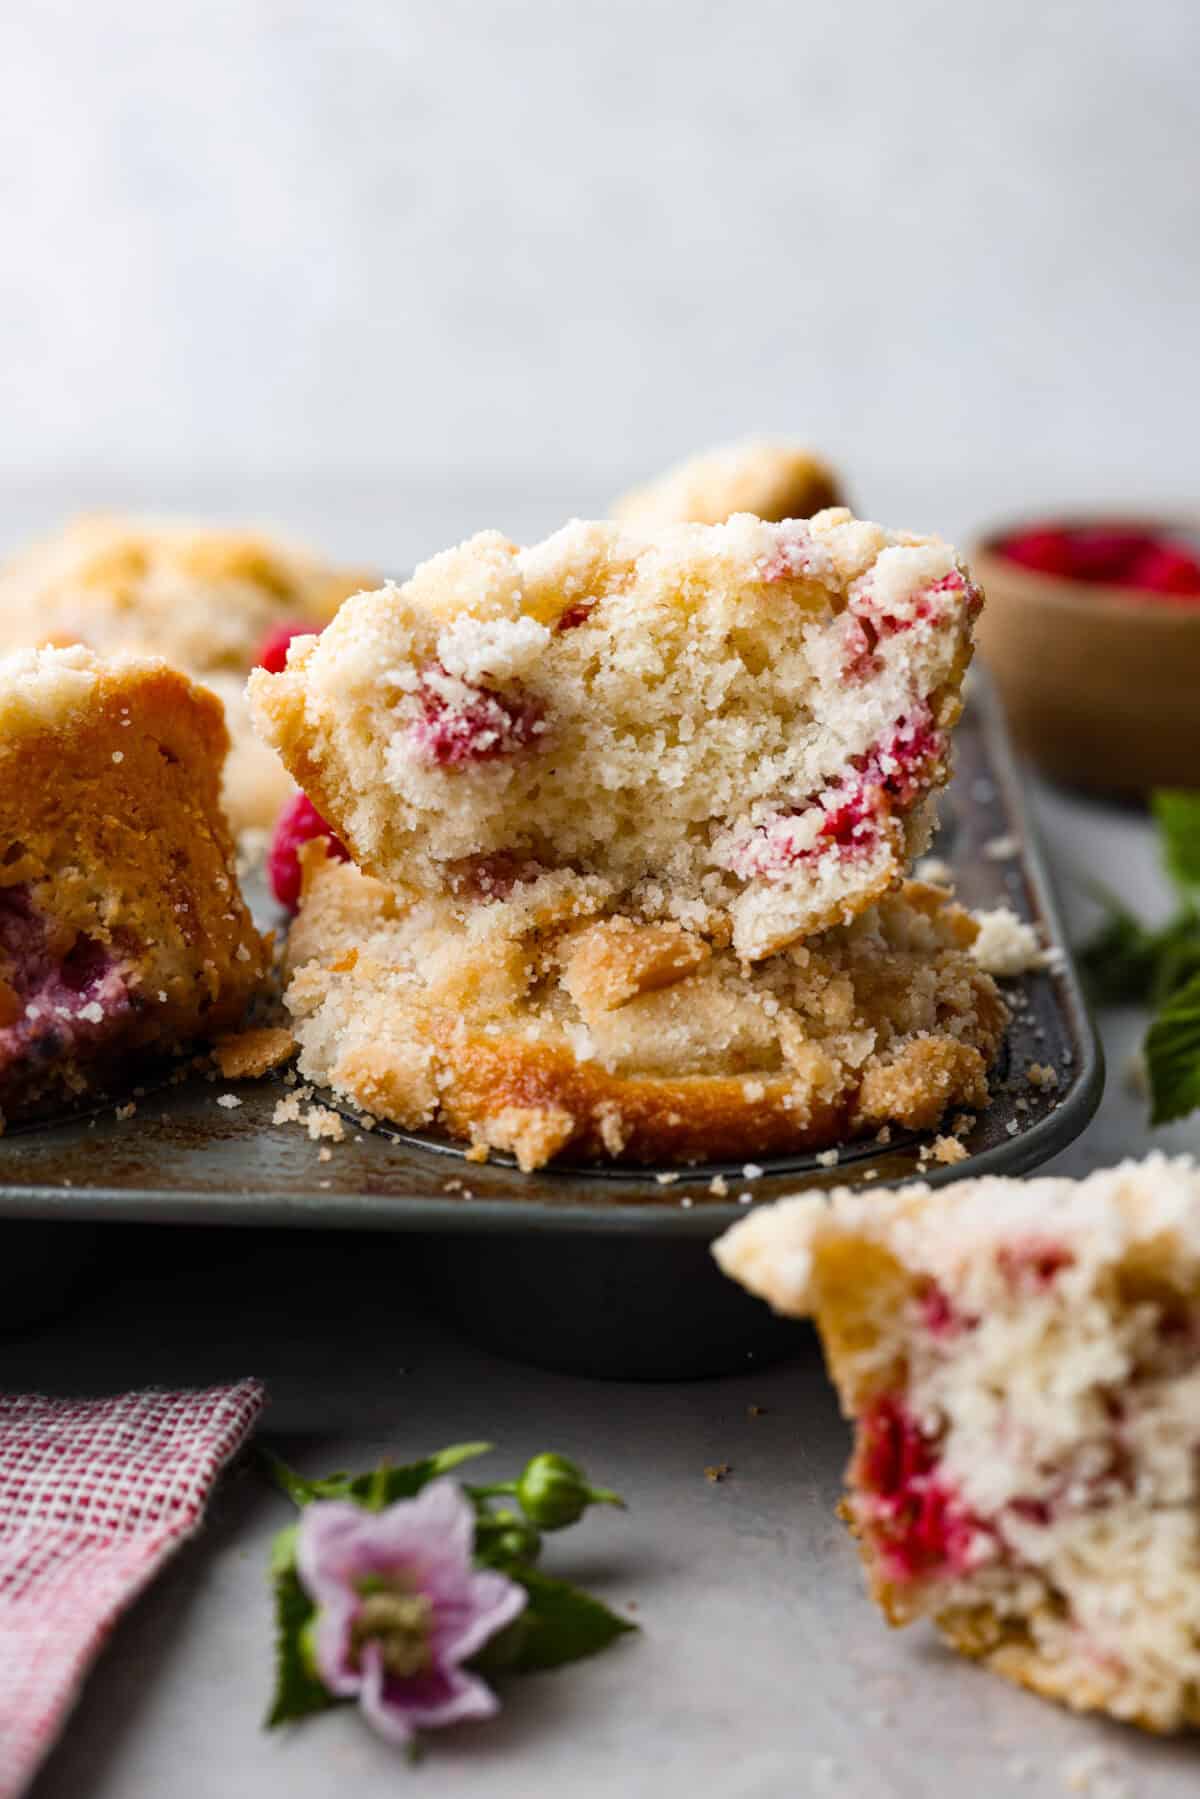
(1125, 963)
(384, 1485)
(1178, 954)
(1173, 1055)
(283, 1550)
(1120, 960)
(1177, 811)
(298, 1693)
(375, 1489)
(560, 1624)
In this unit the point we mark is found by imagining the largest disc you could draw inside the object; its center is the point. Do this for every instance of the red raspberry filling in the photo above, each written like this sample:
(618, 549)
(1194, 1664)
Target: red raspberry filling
(272, 651)
(298, 824)
(918, 1524)
(939, 1314)
(903, 764)
(867, 624)
(892, 773)
(483, 727)
(51, 994)
(575, 615)
(792, 557)
(1115, 556)
(1034, 1263)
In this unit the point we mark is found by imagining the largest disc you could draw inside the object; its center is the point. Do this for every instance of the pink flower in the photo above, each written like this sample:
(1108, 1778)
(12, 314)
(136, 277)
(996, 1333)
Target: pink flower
(400, 1607)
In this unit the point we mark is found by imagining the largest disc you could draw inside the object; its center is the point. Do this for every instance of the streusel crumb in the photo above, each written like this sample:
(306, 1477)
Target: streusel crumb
(453, 1015)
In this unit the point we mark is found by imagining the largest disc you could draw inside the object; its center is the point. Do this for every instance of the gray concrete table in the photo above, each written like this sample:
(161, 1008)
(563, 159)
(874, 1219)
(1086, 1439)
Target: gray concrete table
(761, 1668)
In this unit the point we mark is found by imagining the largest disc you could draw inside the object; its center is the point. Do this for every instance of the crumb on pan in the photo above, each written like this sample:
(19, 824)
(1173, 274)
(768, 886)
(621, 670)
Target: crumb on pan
(1007, 946)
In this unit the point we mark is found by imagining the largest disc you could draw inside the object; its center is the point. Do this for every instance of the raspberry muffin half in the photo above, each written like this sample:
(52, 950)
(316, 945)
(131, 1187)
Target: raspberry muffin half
(550, 1035)
(122, 930)
(1022, 1363)
(734, 728)
(771, 480)
(205, 598)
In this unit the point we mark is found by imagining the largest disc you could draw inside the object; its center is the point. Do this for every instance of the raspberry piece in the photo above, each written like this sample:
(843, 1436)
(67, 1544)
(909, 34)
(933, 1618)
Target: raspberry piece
(859, 642)
(575, 615)
(898, 767)
(939, 1314)
(1116, 556)
(1047, 551)
(1035, 1263)
(272, 651)
(852, 825)
(1164, 569)
(480, 726)
(869, 622)
(903, 764)
(298, 824)
(793, 556)
(1099, 553)
(919, 1525)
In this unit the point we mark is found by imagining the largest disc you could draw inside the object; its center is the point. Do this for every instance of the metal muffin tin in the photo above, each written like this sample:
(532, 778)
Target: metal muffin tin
(596, 1270)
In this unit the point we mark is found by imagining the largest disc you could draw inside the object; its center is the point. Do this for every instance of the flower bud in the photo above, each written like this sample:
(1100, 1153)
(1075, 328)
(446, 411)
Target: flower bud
(553, 1492)
(504, 1536)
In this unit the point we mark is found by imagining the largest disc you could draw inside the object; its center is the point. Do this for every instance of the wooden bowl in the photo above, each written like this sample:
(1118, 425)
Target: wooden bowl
(1101, 684)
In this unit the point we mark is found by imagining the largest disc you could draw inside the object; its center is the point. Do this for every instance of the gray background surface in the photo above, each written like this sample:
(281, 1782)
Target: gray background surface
(425, 242)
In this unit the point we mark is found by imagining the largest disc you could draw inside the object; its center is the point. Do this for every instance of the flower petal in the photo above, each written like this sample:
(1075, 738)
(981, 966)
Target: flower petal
(333, 1547)
(381, 1710)
(443, 1696)
(332, 1553)
(464, 1622)
(440, 1521)
(332, 1646)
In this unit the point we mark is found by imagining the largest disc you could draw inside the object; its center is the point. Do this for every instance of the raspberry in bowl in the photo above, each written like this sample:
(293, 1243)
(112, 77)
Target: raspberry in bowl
(1092, 628)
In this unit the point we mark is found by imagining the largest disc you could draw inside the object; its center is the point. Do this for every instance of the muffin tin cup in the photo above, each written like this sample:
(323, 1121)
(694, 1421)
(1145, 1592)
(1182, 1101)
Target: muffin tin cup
(597, 1271)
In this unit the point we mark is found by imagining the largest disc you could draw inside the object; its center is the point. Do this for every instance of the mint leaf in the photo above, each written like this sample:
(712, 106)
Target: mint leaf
(375, 1489)
(560, 1624)
(1173, 1055)
(1127, 963)
(1178, 950)
(1178, 814)
(1120, 961)
(298, 1693)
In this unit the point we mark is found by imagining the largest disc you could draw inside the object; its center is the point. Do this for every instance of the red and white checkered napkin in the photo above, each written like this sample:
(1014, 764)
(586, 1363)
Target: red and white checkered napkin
(94, 1496)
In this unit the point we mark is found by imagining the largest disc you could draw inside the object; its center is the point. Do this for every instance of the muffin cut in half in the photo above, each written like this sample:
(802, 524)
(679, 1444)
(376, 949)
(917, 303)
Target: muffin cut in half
(121, 926)
(734, 728)
(1022, 1363)
(772, 480)
(554, 1036)
(205, 598)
